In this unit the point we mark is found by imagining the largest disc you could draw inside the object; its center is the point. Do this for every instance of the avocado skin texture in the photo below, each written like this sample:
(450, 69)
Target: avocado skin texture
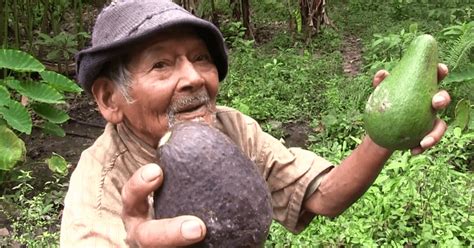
(399, 113)
(208, 176)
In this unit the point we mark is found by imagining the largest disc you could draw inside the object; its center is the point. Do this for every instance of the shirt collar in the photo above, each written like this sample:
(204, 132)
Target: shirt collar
(141, 151)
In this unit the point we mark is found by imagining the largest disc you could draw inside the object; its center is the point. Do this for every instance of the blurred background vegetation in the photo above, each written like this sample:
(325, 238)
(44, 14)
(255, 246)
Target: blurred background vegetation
(301, 68)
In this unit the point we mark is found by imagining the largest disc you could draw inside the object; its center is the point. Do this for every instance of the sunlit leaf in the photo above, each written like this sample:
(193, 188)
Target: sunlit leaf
(19, 61)
(4, 95)
(53, 129)
(457, 132)
(60, 82)
(50, 113)
(460, 76)
(37, 91)
(12, 149)
(57, 164)
(462, 112)
(17, 116)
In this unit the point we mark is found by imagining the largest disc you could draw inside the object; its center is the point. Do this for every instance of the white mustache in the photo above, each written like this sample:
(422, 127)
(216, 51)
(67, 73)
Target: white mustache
(178, 105)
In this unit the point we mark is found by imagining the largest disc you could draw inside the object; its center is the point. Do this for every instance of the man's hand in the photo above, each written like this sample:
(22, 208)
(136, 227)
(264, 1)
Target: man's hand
(145, 232)
(440, 101)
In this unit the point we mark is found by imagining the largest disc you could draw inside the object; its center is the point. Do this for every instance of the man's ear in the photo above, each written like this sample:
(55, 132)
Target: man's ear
(109, 99)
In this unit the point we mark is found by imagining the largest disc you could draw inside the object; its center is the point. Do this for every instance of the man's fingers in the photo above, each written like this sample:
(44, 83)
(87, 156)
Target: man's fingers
(379, 77)
(435, 135)
(431, 138)
(441, 100)
(174, 232)
(137, 189)
(442, 71)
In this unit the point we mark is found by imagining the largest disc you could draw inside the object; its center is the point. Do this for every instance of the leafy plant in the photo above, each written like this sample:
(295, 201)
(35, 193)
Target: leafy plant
(461, 45)
(61, 47)
(29, 96)
(33, 216)
(234, 33)
(422, 200)
(387, 49)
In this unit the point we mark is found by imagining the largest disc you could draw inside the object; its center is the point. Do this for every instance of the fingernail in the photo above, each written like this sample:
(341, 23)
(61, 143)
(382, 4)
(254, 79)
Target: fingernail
(191, 230)
(444, 67)
(437, 100)
(151, 173)
(427, 142)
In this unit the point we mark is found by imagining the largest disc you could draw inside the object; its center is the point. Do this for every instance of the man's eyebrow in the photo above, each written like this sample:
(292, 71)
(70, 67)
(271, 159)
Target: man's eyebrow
(155, 48)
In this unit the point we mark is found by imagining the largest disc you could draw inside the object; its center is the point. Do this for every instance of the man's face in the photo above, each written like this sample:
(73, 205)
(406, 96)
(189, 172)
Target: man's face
(173, 79)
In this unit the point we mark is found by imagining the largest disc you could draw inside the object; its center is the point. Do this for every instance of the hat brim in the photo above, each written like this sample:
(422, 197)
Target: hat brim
(90, 62)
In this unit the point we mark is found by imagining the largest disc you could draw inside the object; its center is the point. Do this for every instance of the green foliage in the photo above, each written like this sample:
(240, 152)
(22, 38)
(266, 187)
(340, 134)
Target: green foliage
(387, 49)
(460, 43)
(23, 96)
(283, 91)
(234, 33)
(33, 215)
(462, 115)
(12, 149)
(61, 47)
(57, 164)
(423, 201)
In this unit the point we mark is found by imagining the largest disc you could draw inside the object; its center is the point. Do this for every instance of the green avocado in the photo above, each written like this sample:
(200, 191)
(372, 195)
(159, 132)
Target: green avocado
(399, 113)
(207, 175)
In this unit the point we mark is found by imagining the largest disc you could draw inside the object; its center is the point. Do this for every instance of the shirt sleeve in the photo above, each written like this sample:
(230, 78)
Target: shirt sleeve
(291, 173)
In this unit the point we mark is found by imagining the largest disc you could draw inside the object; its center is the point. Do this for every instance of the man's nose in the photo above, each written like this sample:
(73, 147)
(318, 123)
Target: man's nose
(190, 78)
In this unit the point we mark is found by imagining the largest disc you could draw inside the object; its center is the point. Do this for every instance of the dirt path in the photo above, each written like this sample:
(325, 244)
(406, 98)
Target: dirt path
(352, 55)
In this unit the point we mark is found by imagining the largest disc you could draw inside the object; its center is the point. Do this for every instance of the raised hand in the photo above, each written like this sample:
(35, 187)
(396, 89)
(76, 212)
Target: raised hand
(142, 231)
(440, 101)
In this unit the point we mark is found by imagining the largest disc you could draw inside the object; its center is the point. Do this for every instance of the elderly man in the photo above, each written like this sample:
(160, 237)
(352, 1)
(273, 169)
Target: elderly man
(153, 64)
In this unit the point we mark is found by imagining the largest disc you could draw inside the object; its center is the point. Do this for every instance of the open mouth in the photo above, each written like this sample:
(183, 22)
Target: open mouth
(191, 113)
(191, 108)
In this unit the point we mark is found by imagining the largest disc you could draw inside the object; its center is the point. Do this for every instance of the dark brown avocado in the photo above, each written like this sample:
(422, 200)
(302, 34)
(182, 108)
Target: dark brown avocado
(207, 175)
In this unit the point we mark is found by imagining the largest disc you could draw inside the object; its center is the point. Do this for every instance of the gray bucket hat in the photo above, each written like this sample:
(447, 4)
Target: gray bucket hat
(127, 22)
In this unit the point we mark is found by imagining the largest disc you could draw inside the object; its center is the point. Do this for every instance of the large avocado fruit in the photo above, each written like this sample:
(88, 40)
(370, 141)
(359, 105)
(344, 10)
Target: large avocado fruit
(208, 176)
(399, 113)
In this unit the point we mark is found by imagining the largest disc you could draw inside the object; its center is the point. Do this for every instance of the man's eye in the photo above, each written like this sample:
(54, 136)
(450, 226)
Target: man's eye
(159, 65)
(203, 57)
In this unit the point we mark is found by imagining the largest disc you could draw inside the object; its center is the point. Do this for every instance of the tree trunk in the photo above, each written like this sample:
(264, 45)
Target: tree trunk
(189, 5)
(214, 17)
(313, 15)
(236, 9)
(246, 19)
(4, 23)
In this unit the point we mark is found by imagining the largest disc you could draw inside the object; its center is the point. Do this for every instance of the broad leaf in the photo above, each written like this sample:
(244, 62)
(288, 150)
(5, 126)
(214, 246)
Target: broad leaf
(17, 116)
(19, 61)
(12, 149)
(60, 82)
(462, 114)
(12, 83)
(53, 129)
(57, 164)
(37, 91)
(4, 95)
(50, 113)
(460, 76)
